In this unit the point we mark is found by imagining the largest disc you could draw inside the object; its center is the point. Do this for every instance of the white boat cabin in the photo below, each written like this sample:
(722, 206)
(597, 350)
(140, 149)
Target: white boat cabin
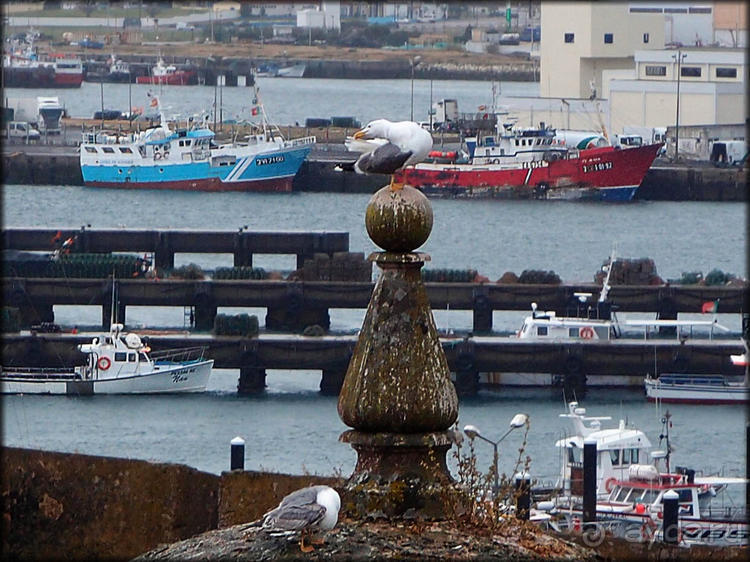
(617, 450)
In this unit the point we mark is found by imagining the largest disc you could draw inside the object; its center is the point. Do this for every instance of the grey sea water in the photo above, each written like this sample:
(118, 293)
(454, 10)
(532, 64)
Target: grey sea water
(291, 428)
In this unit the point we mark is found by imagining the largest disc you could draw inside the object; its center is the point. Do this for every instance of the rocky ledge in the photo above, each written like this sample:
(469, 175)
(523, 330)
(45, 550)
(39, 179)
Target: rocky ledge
(360, 540)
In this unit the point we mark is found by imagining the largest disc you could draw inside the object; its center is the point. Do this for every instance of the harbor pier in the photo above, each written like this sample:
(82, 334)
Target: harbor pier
(471, 359)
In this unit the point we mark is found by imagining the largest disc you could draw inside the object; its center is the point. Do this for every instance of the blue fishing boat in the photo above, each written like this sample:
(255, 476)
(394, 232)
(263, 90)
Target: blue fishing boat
(188, 158)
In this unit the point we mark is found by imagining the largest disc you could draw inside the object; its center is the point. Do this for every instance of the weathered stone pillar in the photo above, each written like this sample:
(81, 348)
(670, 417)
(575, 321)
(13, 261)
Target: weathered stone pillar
(397, 394)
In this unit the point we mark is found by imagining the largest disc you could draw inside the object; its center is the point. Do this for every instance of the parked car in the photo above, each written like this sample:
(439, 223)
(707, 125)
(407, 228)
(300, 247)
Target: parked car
(21, 130)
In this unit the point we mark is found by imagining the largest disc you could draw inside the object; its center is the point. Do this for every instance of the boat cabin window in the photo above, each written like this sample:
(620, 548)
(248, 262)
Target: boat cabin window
(649, 496)
(108, 149)
(575, 455)
(572, 332)
(125, 150)
(541, 330)
(108, 340)
(120, 356)
(142, 357)
(131, 357)
(623, 494)
(626, 456)
(614, 456)
(635, 456)
(91, 149)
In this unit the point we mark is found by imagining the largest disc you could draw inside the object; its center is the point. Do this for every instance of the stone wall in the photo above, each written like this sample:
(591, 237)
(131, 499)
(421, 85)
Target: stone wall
(63, 505)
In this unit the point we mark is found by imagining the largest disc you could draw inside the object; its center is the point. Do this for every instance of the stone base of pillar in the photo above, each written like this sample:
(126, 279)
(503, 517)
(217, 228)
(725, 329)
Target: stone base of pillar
(400, 475)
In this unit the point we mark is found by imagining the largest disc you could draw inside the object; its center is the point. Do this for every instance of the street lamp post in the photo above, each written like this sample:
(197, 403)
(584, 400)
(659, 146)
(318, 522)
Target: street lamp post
(679, 57)
(471, 431)
(414, 62)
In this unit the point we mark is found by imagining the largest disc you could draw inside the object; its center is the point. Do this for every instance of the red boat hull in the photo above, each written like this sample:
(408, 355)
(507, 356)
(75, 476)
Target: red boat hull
(71, 80)
(608, 174)
(180, 78)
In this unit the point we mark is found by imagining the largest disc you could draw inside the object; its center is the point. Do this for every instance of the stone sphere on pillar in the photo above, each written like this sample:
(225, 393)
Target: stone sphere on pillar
(399, 220)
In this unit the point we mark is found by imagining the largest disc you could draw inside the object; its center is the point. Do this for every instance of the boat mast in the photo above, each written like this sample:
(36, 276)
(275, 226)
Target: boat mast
(605, 285)
(666, 422)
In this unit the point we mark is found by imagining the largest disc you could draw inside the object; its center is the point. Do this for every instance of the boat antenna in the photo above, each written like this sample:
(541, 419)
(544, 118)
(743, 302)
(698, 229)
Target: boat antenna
(666, 424)
(113, 309)
(609, 266)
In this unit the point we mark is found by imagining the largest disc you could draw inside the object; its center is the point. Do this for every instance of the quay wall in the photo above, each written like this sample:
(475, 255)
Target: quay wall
(396, 67)
(61, 506)
(678, 183)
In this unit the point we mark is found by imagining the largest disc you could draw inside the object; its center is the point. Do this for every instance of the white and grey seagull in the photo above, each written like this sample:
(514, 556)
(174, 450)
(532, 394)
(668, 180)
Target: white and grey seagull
(406, 143)
(315, 508)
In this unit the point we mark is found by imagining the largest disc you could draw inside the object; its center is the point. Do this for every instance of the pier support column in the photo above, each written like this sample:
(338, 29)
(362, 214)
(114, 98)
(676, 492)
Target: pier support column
(252, 380)
(163, 254)
(667, 311)
(467, 374)
(107, 314)
(30, 314)
(205, 314)
(482, 311)
(332, 381)
(243, 256)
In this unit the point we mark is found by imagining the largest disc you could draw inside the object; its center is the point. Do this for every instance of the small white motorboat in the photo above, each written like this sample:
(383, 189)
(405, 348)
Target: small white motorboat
(116, 363)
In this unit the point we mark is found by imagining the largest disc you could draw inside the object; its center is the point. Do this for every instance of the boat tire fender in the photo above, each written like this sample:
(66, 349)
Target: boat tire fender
(573, 365)
(609, 484)
(104, 363)
(157, 155)
(166, 154)
(496, 161)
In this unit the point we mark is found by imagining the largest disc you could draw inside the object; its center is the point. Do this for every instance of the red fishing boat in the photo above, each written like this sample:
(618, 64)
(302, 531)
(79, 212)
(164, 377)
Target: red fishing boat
(169, 75)
(527, 164)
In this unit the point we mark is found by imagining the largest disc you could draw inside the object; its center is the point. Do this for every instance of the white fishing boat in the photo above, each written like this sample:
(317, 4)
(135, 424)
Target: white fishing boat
(631, 504)
(700, 389)
(599, 322)
(116, 363)
(617, 449)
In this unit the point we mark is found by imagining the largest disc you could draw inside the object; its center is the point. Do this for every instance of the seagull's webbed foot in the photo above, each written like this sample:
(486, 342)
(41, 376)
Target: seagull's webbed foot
(302, 545)
(394, 185)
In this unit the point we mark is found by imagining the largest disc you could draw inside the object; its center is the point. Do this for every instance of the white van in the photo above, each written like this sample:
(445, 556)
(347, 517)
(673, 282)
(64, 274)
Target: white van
(21, 130)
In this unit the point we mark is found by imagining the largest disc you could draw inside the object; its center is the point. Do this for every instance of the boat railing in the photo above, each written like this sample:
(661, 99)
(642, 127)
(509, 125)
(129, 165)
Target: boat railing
(39, 372)
(301, 141)
(725, 512)
(181, 355)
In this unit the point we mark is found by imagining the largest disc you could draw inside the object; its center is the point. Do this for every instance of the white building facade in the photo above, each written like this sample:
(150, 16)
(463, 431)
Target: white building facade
(711, 83)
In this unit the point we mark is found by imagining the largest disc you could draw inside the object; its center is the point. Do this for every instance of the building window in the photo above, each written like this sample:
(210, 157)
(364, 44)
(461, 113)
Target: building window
(569, 37)
(699, 10)
(608, 38)
(690, 71)
(675, 10)
(645, 37)
(640, 10)
(656, 70)
(723, 72)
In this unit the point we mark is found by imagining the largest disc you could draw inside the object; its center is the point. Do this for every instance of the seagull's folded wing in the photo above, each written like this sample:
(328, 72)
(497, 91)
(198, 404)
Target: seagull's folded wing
(383, 160)
(295, 517)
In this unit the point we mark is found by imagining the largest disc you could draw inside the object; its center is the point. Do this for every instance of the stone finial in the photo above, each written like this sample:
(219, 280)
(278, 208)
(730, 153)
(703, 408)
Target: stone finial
(399, 220)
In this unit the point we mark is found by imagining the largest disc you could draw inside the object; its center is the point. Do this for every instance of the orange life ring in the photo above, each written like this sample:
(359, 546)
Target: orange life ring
(104, 363)
(609, 484)
(586, 332)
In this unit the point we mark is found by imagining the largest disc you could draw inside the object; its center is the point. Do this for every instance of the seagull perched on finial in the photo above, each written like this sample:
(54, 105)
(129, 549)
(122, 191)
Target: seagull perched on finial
(306, 510)
(406, 143)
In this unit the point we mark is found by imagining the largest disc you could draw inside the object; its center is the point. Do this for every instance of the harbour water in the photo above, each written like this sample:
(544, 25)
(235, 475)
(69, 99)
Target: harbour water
(291, 428)
(287, 100)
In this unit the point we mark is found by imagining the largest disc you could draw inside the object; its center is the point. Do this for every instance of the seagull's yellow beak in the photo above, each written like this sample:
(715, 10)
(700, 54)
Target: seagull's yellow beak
(359, 134)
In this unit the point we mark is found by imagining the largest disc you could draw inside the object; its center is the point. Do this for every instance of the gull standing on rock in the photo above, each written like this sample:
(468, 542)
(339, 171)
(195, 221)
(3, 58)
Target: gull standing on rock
(407, 143)
(307, 510)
